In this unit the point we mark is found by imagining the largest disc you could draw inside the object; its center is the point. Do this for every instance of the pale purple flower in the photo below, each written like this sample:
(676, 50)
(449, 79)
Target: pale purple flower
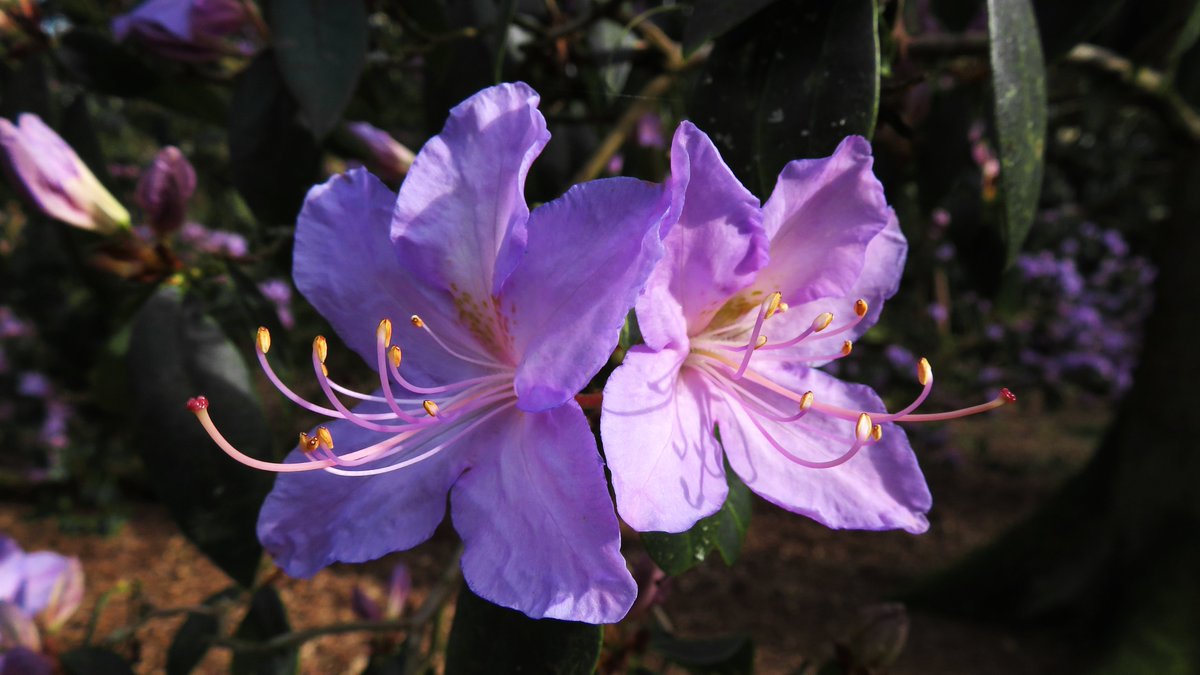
(33, 384)
(42, 584)
(650, 131)
(164, 190)
(23, 660)
(385, 156)
(511, 312)
(279, 292)
(735, 319)
(616, 164)
(54, 179)
(185, 30)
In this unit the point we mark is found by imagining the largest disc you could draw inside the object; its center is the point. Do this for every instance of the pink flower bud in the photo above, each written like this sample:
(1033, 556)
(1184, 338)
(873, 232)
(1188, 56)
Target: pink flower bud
(384, 155)
(185, 30)
(164, 190)
(55, 180)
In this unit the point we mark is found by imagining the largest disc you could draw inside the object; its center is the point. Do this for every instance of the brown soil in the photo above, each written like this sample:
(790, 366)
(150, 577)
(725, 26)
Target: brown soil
(795, 583)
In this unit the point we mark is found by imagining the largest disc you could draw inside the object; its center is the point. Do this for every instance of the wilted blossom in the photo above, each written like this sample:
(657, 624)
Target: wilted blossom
(506, 314)
(164, 190)
(186, 30)
(745, 304)
(385, 156)
(55, 180)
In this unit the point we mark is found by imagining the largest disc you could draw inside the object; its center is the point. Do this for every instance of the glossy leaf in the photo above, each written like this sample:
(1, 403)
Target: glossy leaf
(93, 661)
(177, 352)
(274, 159)
(723, 532)
(266, 619)
(194, 637)
(320, 46)
(713, 18)
(1019, 85)
(728, 655)
(791, 83)
(486, 639)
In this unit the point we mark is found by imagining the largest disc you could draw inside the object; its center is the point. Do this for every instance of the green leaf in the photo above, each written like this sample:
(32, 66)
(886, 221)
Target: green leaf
(791, 83)
(93, 661)
(723, 531)
(266, 619)
(320, 46)
(713, 18)
(1019, 84)
(487, 639)
(274, 159)
(728, 655)
(194, 637)
(177, 352)
(1062, 24)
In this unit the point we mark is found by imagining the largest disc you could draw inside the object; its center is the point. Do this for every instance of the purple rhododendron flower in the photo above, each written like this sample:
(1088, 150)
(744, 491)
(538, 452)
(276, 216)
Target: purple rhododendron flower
(41, 583)
(723, 349)
(164, 190)
(512, 312)
(185, 30)
(55, 179)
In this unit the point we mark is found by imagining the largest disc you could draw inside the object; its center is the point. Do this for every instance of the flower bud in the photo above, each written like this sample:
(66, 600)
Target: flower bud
(55, 180)
(383, 155)
(398, 589)
(363, 606)
(164, 190)
(184, 30)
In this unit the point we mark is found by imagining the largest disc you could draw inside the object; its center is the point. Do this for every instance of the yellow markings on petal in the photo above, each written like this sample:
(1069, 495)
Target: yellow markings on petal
(325, 437)
(394, 355)
(762, 340)
(430, 407)
(263, 339)
(806, 400)
(863, 428)
(417, 321)
(822, 321)
(860, 307)
(320, 348)
(847, 347)
(773, 304)
(384, 332)
(877, 433)
(924, 371)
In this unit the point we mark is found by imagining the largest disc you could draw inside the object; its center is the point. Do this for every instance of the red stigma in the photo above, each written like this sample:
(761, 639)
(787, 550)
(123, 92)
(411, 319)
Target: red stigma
(200, 403)
(1008, 396)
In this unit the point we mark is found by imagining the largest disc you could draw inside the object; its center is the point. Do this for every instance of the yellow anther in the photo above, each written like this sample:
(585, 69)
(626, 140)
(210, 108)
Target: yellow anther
(320, 348)
(324, 370)
(806, 400)
(924, 372)
(417, 321)
(263, 339)
(877, 433)
(384, 332)
(394, 355)
(762, 340)
(822, 322)
(325, 437)
(860, 307)
(308, 444)
(773, 304)
(430, 407)
(847, 347)
(863, 428)
(783, 307)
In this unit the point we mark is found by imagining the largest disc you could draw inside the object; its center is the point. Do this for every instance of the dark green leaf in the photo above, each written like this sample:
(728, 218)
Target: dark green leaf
(1063, 24)
(727, 655)
(487, 639)
(791, 83)
(93, 661)
(713, 18)
(722, 531)
(320, 46)
(177, 352)
(274, 159)
(266, 619)
(194, 637)
(24, 87)
(1019, 83)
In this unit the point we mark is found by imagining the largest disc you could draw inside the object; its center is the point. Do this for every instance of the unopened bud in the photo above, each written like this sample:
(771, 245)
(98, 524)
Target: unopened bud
(164, 190)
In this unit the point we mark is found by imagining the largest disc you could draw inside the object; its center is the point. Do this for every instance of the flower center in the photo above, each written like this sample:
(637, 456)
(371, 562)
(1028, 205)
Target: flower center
(415, 422)
(723, 357)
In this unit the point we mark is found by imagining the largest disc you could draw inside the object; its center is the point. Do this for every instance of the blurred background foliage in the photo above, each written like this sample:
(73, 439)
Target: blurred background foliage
(1041, 157)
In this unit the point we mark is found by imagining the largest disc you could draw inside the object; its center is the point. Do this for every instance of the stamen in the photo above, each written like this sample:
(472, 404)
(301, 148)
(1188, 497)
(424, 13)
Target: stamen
(384, 332)
(321, 348)
(199, 406)
(418, 322)
(383, 336)
(325, 437)
(304, 403)
(763, 313)
(394, 355)
(818, 324)
(361, 421)
(762, 340)
(877, 433)
(264, 339)
(430, 407)
(773, 303)
(1002, 399)
(847, 347)
(859, 440)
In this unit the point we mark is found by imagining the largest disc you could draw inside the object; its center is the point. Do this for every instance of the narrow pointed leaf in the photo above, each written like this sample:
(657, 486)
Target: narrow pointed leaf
(1019, 85)
(266, 619)
(194, 637)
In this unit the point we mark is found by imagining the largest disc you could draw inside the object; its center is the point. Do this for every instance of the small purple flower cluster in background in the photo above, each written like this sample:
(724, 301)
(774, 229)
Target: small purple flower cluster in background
(56, 412)
(1086, 301)
(38, 592)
